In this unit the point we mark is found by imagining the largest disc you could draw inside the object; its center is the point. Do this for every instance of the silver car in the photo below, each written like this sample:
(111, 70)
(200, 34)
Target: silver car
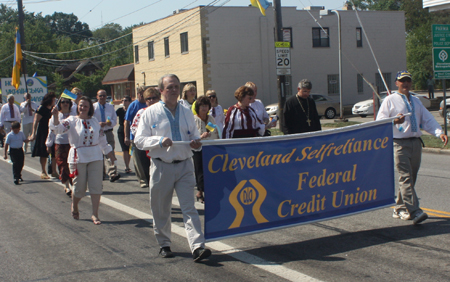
(326, 106)
(365, 107)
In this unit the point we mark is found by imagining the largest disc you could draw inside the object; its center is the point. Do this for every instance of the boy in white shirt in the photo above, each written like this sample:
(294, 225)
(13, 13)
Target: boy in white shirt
(14, 142)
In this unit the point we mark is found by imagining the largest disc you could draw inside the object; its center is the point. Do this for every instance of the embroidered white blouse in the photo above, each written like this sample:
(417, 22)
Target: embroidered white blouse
(87, 140)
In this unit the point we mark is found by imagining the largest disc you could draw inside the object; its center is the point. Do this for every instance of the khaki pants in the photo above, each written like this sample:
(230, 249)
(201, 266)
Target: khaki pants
(108, 167)
(164, 179)
(27, 130)
(407, 156)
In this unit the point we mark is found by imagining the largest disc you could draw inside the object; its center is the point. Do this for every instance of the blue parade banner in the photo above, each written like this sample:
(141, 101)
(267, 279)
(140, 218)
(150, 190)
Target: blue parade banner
(276, 182)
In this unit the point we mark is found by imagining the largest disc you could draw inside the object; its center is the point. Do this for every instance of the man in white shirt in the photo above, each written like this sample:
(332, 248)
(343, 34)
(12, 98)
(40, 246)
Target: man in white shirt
(107, 117)
(407, 143)
(9, 113)
(28, 108)
(172, 167)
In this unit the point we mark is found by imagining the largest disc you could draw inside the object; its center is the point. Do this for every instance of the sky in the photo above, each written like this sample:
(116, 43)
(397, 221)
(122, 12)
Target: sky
(129, 12)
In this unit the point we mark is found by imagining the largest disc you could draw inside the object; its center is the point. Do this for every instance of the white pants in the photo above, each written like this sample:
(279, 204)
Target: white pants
(27, 130)
(164, 179)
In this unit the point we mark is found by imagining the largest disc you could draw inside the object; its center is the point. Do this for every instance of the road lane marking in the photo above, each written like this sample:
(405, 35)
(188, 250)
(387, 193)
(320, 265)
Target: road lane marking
(238, 254)
(441, 212)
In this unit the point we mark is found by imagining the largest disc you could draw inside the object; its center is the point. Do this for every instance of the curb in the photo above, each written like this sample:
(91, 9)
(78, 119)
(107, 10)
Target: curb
(436, 151)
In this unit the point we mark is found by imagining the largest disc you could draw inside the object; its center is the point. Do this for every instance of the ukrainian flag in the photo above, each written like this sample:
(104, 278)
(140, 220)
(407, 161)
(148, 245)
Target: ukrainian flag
(68, 95)
(17, 66)
(261, 4)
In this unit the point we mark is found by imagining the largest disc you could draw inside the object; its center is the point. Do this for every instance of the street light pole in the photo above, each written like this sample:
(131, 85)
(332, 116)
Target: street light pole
(341, 116)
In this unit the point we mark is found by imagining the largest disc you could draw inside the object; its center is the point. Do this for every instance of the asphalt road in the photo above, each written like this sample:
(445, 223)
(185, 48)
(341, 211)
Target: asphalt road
(39, 241)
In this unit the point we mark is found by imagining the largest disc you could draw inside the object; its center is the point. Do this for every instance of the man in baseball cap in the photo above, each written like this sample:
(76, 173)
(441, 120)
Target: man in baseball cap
(407, 143)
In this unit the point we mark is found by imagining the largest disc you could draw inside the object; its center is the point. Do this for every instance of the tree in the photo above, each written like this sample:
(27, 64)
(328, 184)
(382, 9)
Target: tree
(63, 24)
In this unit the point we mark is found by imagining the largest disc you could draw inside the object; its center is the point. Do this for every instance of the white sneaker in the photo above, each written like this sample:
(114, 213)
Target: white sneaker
(403, 215)
(420, 216)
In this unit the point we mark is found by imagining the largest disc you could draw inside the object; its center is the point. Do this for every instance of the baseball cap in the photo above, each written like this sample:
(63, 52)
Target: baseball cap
(403, 74)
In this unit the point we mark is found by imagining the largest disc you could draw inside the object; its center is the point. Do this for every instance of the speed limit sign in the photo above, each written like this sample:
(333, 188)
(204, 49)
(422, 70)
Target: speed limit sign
(283, 60)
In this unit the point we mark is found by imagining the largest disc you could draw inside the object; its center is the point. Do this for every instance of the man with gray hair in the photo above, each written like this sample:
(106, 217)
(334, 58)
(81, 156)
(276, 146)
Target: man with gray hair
(172, 168)
(28, 108)
(8, 114)
(300, 112)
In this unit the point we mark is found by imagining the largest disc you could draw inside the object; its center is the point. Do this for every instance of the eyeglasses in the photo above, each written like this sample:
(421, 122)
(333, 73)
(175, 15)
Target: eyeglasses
(405, 79)
(152, 98)
(101, 96)
(212, 96)
(65, 102)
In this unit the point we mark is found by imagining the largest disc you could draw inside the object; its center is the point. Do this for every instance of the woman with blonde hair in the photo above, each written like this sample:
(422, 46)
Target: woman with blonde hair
(188, 95)
(216, 110)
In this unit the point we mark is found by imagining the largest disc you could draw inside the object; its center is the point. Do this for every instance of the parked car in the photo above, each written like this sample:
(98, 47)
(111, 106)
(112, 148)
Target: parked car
(326, 106)
(441, 109)
(365, 107)
(108, 99)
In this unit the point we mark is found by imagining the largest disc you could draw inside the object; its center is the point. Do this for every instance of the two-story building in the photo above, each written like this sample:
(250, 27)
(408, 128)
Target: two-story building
(221, 48)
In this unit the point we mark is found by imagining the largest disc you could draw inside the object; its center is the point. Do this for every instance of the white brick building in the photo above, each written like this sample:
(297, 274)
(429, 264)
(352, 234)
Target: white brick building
(221, 48)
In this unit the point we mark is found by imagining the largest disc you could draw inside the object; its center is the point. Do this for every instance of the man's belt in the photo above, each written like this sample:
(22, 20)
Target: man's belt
(109, 130)
(173, 162)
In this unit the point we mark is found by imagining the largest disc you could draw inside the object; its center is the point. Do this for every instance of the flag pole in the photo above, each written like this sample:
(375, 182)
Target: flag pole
(22, 40)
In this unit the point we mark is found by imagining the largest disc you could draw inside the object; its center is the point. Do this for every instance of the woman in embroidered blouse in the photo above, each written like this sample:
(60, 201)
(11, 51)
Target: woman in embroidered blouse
(207, 132)
(87, 143)
(188, 95)
(62, 145)
(216, 110)
(241, 120)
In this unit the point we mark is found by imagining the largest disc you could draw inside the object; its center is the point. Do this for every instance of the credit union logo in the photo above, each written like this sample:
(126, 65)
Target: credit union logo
(246, 196)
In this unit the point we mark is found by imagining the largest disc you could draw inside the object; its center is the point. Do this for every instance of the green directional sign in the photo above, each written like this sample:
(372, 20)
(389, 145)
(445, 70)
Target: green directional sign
(442, 75)
(441, 59)
(441, 35)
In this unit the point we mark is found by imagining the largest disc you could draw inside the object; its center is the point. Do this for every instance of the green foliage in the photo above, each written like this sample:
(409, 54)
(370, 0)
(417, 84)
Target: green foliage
(418, 23)
(60, 33)
(91, 84)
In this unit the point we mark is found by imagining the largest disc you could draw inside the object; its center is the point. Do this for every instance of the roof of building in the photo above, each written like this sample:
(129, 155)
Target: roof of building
(119, 74)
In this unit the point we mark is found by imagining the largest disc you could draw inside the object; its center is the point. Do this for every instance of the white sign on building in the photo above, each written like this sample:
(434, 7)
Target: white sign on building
(37, 87)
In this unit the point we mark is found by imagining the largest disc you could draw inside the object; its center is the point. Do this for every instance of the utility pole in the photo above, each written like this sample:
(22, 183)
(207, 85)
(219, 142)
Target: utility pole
(22, 40)
(280, 78)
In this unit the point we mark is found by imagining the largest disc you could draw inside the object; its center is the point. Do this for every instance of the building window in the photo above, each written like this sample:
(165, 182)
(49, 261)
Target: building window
(184, 42)
(205, 49)
(166, 47)
(360, 83)
(358, 37)
(333, 84)
(379, 82)
(321, 37)
(136, 54)
(151, 51)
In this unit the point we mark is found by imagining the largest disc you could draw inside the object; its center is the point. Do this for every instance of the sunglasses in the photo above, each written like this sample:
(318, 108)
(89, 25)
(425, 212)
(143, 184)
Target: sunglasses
(125, 100)
(406, 79)
(212, 96)
(101, 96)
(65, 102)
(151, 98)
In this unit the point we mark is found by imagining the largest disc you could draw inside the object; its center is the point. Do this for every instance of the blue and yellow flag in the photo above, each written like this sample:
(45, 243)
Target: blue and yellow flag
(261, 4)
(17, 65)
(68, 95)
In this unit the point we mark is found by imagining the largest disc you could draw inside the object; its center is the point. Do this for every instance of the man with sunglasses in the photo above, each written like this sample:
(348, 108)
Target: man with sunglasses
(407, 143)
(107, 117)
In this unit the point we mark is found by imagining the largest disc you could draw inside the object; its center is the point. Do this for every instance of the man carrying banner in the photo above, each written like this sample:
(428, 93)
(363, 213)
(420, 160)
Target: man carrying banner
(300, 112)
(107, 118)
(28, 108)
(407, 143)
(172, 167)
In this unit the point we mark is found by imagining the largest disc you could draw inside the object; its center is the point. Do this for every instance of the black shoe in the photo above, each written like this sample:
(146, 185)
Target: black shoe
(114, 178)
(21, 180)
(165, 252)
(16, 181)
(201, 253)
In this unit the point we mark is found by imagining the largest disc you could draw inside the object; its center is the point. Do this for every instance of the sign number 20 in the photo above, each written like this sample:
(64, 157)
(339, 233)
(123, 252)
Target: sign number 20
(283, 62)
